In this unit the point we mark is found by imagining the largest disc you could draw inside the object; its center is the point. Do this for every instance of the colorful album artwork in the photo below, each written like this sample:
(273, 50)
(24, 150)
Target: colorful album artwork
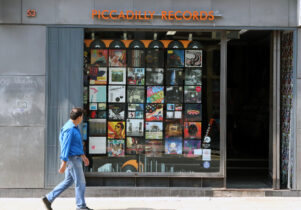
(135, 111)
(193, 76)
(117, 76)
(85, 131)
(193, 58)
(135, 127)
(193, 94)
(93, 114)
(154, 58)
(97, 127)
(102, 106)
(101, 114)
(173, 129)
(99, 57)
(154, 148)
(98, 75)
(116, 94)
(173, 146)
(116, 148)
(174, 76)
(136, 76)
(97, 94)
(116, 111)
(193, 112)
(116, 130)
(192, 148)
(154, 112)
(174, 94)
(97, 145)
(117, 57)
(178, 107)
(154, 76)
(136, 58)
(136, 107)
(135, 146)
(135, 94)
(175, 58)
(153, 130)
(192, 130)
(155, 94)
(93, 106)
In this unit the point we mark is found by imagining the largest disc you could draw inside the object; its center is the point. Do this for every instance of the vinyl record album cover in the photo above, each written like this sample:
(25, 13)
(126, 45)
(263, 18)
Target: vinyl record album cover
(102, 106)
(135, 111)
(99, 57)
(190, 146)
(135, 94)
(117, 76)
(116, 130)
(136, 76)
(154, 76)
(193, 58)
(117, 57)
(101, 114)
(85, 131)
(175, 58)
(154, 58)
(135, 146)
(134, 127)
(93, 114)
(93, 106)
(154, 148)
(173, 129)
(117, 94)
(193, 94)
(136, 58)
(193, 112)
(192, 130)
(173, 146)
(116, 148)
(98, 75)
(174, 94)
(153, 130)
(193, 76)
(97, 127)
(154, 112)
(116, 111)
(155, 94)
(97, 94)
(97, 145)
(136, 107)
(174, 76)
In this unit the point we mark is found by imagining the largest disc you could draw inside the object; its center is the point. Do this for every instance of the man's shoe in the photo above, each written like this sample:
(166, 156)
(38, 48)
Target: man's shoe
(46, 203)
(84, 208)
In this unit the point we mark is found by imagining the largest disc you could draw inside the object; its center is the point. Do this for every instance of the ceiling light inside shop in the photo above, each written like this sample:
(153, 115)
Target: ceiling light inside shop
(93, 36)
(190, 37)
(171, 33)
(125, 37)
(155, 36)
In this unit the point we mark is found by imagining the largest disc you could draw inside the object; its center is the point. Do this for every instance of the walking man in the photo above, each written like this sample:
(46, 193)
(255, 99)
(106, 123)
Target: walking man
(72, 156)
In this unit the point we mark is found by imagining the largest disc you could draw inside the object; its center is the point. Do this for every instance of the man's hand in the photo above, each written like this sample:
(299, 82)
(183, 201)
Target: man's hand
(86, 160)
(63, 167)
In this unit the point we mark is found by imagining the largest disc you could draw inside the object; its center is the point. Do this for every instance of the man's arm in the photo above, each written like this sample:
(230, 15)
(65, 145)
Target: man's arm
(65, 148)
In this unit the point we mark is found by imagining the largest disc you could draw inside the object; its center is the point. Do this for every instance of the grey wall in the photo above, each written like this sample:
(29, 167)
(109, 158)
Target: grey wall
(234, 12)
(22, 106)
(298, 114)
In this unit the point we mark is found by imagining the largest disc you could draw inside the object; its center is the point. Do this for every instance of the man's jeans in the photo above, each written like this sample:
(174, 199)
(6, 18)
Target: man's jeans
(73, 174)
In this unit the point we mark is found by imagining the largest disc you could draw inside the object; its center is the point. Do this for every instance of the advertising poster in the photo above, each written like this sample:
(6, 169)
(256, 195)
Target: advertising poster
(117, 76)
(99, 57)
(154, 112)
(134, 127)
(174, 94)
(190, 146)
(116, 130)
(154, 58)
(98, 75)
(97, 94)
(193, 76)
(97, 127)
(117, 57)
(193, 94)
(155, 94)
(116, 94)
(154, 76)
(135, 146)
(116, 148)
(154, 148)
(97, 145)
(136, 76)
(174, 76)
(153, 130)
(173, 146)
(193, 58)
(193, 112)
(173, 129)
(192, 130)
(175, 58)
(116, 111)
(136, 58)
(135, 94)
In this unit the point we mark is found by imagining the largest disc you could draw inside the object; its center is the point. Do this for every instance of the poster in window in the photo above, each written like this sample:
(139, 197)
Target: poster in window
(174, 76)
(154, 112)
(116, 94)
(101, 114)
(136, 58)
(193, 58)
(97, 94)
(190, 146)
(175, 58)
(102, 106)
(98, 75)
(97, 145)
(116, 148)
(192, 130)
(117, 57)
(97, 127)
(99, 57)
(116, 111)
(193, 94)
(173, 129)
(135, 111)
(136, 107)
(154, 148)
(174, 94)
(169, 114)
(93, 114)
(93, 106)
(193, 76)
(135, 127)
(154, 76)
(173, 146)
(135, 145)
(154, 58)
(155, 94)
(117, 76)
(116, 130)
(153, 130)
(135, 94)
(136, 76)
(193, 112)
(85, 131)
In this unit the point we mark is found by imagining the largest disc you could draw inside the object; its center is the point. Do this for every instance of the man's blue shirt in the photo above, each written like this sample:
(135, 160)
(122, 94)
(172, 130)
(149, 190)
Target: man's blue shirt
(71, 141)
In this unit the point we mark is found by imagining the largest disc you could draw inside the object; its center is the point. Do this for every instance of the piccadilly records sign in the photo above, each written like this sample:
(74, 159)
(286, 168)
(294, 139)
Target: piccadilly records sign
(149, 15)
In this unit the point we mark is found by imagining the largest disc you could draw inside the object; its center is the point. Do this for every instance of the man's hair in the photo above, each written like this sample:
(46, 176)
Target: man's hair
(75, 113)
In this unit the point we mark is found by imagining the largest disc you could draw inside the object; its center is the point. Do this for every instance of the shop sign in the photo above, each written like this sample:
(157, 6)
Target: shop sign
(149, 15)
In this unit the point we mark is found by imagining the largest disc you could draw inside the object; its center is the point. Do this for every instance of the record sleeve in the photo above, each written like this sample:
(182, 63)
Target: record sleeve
(93, 106)
(117, 76)
(136, 76)
(116, 94)
(135, 127)
(155, 94)
(117, 57)
(193, 112)
(170, 107)
(135, 111)
(154, 58)
(136, 107)
(193, 58)
(192, 130)
(135, 146)
(101, 114)
(175, 58)
(193, 94)
(98, 75)
(174, 94)
(178, 114)
(116, 111)
(116, 148)
(136, 58)
(154, 112)
(154, 148)
(173, 146)
(102, 106)
(154, 76)
(154, 130)
(93, 114)
(135, 94)
(193, 76)
(97, 145)
(174, 76)
(169, 114)
(139, 114)
(173, 129)
(85, 131)
(97, 127)
(178, 107)
(190, 146)
(116, 130)
(99, 57)
(97, 94)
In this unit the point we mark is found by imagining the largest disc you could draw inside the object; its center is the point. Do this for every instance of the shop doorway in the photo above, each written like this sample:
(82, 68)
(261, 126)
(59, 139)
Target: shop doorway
(248, 93)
